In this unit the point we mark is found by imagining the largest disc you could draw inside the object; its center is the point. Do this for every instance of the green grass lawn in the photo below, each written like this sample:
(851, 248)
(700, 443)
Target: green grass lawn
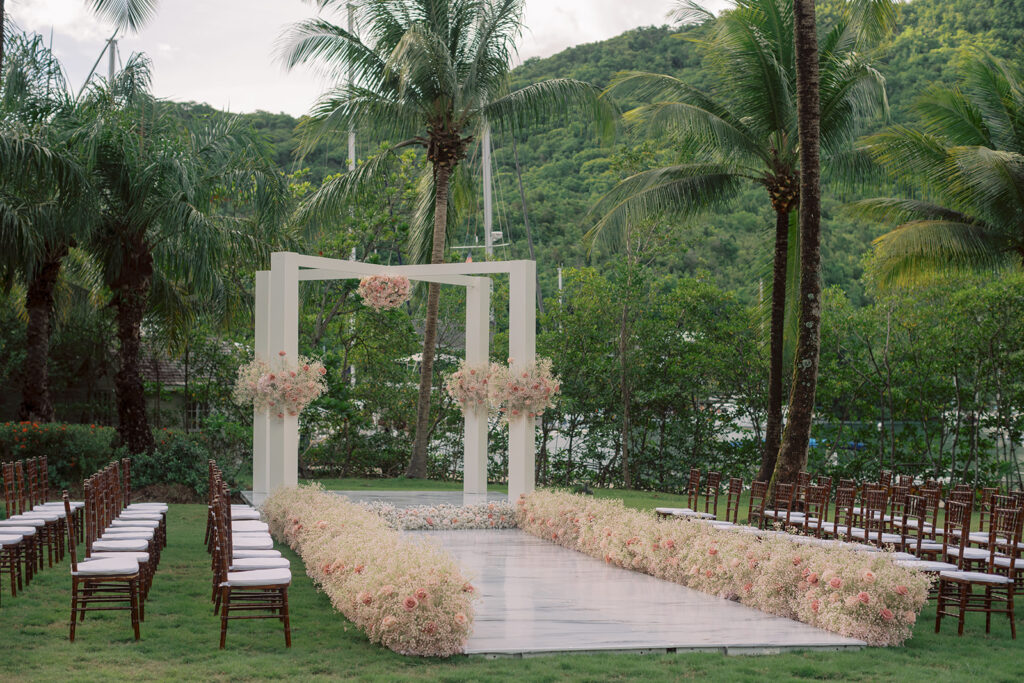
(180, 634)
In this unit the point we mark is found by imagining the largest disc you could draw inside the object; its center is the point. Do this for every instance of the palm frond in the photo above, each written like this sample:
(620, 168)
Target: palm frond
(554, 97)
(126, 14)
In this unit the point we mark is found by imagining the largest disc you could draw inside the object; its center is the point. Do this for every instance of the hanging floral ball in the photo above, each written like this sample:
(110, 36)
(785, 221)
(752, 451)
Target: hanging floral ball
(384, 292)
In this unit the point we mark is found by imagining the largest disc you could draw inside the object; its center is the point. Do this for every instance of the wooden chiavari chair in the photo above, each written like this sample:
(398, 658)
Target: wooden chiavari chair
(693, 489)
(782, 511)
(38, 472)
(46, 524)
(873, 517)
(956, 588)
(816, 505)
(757, 502)
(711, 490)
(102, 584)
(841, 525)
(732, 500)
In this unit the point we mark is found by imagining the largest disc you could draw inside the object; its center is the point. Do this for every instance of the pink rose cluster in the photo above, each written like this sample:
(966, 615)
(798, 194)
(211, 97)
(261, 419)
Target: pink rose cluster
(523, 390)
(406, 595)
(469, 385)
(856, 594)
(446, 517)
(284, 389)
(384, 292)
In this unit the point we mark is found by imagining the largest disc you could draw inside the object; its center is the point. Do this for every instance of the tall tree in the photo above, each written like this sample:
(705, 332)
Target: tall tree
(746, 130)
(430, 73)
(160, 241)
(810, 114)
(44, 197)
(962, 170)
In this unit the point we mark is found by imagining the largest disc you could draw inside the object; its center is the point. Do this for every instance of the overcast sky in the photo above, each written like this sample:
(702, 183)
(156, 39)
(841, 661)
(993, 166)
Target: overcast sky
(223, 52)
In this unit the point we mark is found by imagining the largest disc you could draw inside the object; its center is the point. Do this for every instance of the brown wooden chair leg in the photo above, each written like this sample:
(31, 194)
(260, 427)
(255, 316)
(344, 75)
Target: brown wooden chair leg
(963, 609)
(286, 619)
(939, 605)
(133, 589)
(225, 601)
(988, 609)
(74, 608)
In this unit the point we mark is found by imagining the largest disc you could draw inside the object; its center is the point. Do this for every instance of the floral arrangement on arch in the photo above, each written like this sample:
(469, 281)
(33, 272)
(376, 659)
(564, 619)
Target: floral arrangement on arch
(857, 594)
(407, 595)
(469, 385)
(384, 292)
(285, 391)
(523, 390)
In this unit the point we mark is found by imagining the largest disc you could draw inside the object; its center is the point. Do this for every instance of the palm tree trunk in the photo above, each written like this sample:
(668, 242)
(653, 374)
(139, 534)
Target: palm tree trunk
(793, 452)
(3, 18)
(773, 428)
(36, 405)
(625, 393)
(132, 293)
(418, 464)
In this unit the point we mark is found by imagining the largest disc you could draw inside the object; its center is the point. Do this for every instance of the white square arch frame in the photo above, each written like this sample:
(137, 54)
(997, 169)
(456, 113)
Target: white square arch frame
(276, 440)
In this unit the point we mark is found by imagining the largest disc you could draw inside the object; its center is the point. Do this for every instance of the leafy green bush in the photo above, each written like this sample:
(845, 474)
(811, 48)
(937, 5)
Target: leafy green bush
(178, 458)
(73, 451)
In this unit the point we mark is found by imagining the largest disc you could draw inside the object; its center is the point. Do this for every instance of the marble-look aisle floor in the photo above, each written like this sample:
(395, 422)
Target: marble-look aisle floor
(539, 598)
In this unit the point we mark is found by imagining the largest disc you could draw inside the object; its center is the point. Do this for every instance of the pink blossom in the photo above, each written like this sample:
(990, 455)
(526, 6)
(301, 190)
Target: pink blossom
(387, 622)
(747, 587)
(668, 543)
(430, 628)
(887, 614)
(815, 605)
(460, 619)
(321, 524)
(868, 576)
(410, 603)
(796, 561)
(812, 578)
(365, 598)
(835, 582)
(901, 589)
(712, 550)
(467, 588)
(864, 597)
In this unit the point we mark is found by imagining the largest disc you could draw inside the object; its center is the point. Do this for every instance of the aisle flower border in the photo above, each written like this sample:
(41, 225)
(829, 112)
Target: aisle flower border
(855, 594)
(405, 594)
(446, 517)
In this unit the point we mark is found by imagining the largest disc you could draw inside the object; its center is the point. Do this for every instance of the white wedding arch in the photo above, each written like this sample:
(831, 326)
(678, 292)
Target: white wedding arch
(276, 440)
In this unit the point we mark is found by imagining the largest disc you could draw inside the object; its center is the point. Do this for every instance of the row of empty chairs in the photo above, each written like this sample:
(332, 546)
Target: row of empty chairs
(33, 531)
(250, 578)
(900, 517)
(123, 541)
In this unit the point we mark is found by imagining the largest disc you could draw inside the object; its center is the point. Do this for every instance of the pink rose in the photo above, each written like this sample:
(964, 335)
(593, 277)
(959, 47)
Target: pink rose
(901, 590)
(460, 619)
(815, 605)
(668, 543)
(321, 524)
(796, 561)
(887, 614)
(467, 588)
(747, 587)
(694, 570)
(812, 578)
(421, 593)
(712, 550)
(430, 628)
(864, 597)
(365, 598)
(387, 622)
(281, 353)
(410, 603)
(835, 582)
(868, 576)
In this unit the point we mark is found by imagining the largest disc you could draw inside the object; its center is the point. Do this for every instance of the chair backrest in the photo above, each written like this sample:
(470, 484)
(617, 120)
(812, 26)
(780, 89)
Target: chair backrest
(822, 480)
(784, 494)
(732, 499)
(956, 528)
(1004, 534)
(126, 470)
(875, 502)
(885, 478)
(897, 503)
(71, 533)
(44, 476)
(985, 509)
(962, 494)
(803, 480)
(10, 497)
(711, 487)
(932, 497)
(32, 479)
(19, 485)
(815, 507)
(693, 489)
(758, 496)
(906, 481)
(911, 525)
(842, 522)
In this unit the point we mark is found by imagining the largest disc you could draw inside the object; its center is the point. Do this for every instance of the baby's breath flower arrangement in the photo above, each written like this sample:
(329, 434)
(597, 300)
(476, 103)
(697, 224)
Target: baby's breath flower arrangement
(284, 391)
(407, 595)
(384, 292)
(523, 390)
(469, 385)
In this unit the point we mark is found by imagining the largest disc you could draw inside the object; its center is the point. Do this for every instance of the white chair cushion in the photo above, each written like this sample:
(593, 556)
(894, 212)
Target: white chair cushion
(148, 508)
(10, 539)
(139, 557)
(781, 514)
(660, 511)
(45, 515)
(244, 514)
(246, 564)
(265, 577)
(114, 545)
(59, 505)
(904, 556)
(130, 531)
(107, 567)
(22, 520)
(927, 565)
(239, 554)
(975, 577)
(18, 530)
(251, 544)
(969, 553)
(249, 525)
(138, 523)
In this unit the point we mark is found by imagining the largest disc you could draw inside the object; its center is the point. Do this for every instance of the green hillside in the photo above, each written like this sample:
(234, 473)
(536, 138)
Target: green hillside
(564, 168)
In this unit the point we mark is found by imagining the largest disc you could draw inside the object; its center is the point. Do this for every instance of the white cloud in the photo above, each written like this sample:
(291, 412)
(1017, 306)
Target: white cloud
(68, 18)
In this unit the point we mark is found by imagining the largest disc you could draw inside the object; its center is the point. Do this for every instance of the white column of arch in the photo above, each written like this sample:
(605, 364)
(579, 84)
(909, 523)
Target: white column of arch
(522, 347)
(474, 458)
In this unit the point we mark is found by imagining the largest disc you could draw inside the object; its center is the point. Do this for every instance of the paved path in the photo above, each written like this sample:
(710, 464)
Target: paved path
(537, 597)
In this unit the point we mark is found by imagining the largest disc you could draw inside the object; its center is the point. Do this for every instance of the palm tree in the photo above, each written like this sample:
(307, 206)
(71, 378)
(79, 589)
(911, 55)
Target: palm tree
(962, 171)
(43, 201)
(430, 73)
(125, 14)
(159, 241)
(746, 130)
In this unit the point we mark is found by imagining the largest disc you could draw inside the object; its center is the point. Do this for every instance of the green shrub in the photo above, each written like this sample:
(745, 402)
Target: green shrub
(73, 451)
(178, 458)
